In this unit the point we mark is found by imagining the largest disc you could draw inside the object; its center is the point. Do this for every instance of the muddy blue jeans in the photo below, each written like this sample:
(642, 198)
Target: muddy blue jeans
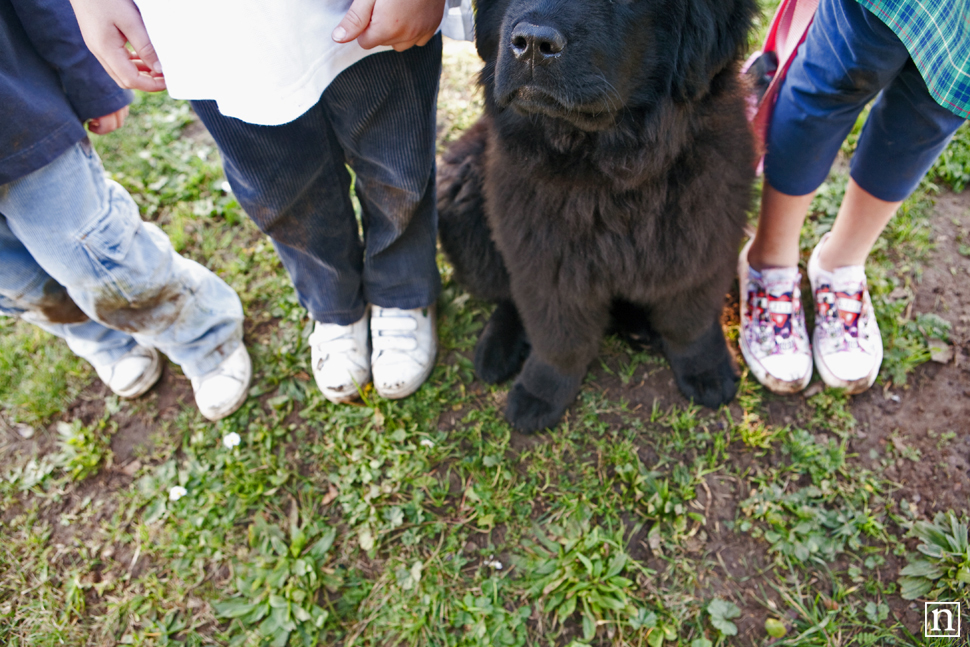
(848, 58)
(77, 260)
(378, 119)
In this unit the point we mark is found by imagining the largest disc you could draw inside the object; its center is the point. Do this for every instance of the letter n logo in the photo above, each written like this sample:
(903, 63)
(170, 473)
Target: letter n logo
(941, 619)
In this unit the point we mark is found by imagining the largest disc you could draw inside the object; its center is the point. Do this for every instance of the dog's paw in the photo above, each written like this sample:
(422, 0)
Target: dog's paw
(503, 345)
(712, 387)
(540, 396)
(528, 413)
(704, 369)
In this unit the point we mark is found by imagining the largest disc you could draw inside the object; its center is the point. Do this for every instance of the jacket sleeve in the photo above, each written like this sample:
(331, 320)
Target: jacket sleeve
(52, 28)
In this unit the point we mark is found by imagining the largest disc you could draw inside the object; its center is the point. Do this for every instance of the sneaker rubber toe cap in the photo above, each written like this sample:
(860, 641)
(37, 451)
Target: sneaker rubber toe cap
(222, 391)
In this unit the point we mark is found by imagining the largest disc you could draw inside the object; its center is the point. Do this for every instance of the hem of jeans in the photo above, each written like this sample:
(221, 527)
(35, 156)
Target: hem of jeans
(212, 360)
(410, 300)
(340, 317)
(405, 304)
(113, 354)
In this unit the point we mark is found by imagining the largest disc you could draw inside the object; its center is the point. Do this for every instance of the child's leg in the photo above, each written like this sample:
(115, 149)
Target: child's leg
(383, 111)
(292, 181)
(27, 291)
(848, 56)
(905, 132)
(861, 218)
(86, 234)
(779, 227)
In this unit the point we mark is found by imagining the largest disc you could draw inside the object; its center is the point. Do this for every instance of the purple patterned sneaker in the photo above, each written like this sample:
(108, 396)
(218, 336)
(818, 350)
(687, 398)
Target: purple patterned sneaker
(846, 339)
(774, 340)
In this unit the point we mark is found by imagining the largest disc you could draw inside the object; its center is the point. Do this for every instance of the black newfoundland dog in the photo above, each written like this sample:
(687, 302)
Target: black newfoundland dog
(607, 182)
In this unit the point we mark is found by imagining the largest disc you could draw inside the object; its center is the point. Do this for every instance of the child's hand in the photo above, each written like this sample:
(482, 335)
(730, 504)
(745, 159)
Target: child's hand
(106, 124)
(106, 26)
(398, 23)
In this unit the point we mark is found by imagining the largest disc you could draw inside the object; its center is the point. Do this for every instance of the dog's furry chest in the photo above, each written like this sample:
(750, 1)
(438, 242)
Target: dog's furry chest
(558, 231)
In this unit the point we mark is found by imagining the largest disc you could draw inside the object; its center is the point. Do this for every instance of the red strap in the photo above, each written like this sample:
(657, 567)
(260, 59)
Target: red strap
(786, 32)
(788, 28)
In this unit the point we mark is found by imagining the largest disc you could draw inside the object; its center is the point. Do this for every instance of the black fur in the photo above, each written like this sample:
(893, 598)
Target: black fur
(611, 172)
(503, 345)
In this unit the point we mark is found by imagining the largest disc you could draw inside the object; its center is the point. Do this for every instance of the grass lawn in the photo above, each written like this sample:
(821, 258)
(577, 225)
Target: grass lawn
(640, 521)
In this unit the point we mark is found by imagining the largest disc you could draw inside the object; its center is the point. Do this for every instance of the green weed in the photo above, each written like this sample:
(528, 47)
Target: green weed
(582, 570)
(83, 449)
(278, 589)
(953, 165)
(941, 568)
(820, 521)
(38, 376)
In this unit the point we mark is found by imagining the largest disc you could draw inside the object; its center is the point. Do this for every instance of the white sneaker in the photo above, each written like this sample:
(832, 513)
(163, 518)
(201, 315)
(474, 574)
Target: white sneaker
(773, 336)
(222, 390)
(133, 373)
(341, 358)
(846, 339)
(405, 345)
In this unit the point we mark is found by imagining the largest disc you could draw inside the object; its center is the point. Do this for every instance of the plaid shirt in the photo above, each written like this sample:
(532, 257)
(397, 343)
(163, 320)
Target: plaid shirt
(937, 35)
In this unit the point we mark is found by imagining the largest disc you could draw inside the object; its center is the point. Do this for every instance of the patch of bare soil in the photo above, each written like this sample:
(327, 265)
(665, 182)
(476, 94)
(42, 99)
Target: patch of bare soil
(927, 422)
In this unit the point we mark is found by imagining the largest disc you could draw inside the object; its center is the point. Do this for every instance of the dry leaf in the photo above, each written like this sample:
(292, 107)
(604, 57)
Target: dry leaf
(331, 494)
(940, 351)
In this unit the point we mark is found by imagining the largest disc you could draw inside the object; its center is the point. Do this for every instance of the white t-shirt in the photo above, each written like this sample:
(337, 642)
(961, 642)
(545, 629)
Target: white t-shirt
(263, 61)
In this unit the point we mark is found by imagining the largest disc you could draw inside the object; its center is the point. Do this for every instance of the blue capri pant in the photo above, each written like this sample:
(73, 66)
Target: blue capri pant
(848, 58)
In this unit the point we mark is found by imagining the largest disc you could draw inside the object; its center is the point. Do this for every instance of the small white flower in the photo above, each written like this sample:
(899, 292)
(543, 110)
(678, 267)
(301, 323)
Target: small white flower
(225, 187)
(231, 440)
(176, 493)
(493, 563)
(427, 442)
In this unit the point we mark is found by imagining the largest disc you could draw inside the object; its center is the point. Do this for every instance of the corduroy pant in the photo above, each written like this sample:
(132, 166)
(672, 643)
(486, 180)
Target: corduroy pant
(376, 120)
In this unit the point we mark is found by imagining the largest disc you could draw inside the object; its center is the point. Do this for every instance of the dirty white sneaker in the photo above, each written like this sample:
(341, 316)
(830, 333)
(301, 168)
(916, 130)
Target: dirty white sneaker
(340, 356)
(133, 373)
(222, 390)
(405, 344)
(846, 339)
(773, 336)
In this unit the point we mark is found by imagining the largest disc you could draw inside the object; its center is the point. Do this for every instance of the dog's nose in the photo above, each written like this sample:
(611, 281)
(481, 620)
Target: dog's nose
(540, 43)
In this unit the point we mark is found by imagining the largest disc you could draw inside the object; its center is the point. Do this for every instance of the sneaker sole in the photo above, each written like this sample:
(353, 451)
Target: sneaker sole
(852, 387)
(232, 407)
(770, 382)
(148, 380)
(345, 397)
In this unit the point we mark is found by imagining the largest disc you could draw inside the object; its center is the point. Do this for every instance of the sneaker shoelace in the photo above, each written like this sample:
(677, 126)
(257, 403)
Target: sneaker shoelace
(839, 309)
(772, 309)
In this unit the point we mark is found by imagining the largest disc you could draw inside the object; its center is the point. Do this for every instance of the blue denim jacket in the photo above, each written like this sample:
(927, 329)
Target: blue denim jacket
(49, 85)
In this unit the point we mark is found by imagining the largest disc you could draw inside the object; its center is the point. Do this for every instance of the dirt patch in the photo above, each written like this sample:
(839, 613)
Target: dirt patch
(920, 430)
(172, 392)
